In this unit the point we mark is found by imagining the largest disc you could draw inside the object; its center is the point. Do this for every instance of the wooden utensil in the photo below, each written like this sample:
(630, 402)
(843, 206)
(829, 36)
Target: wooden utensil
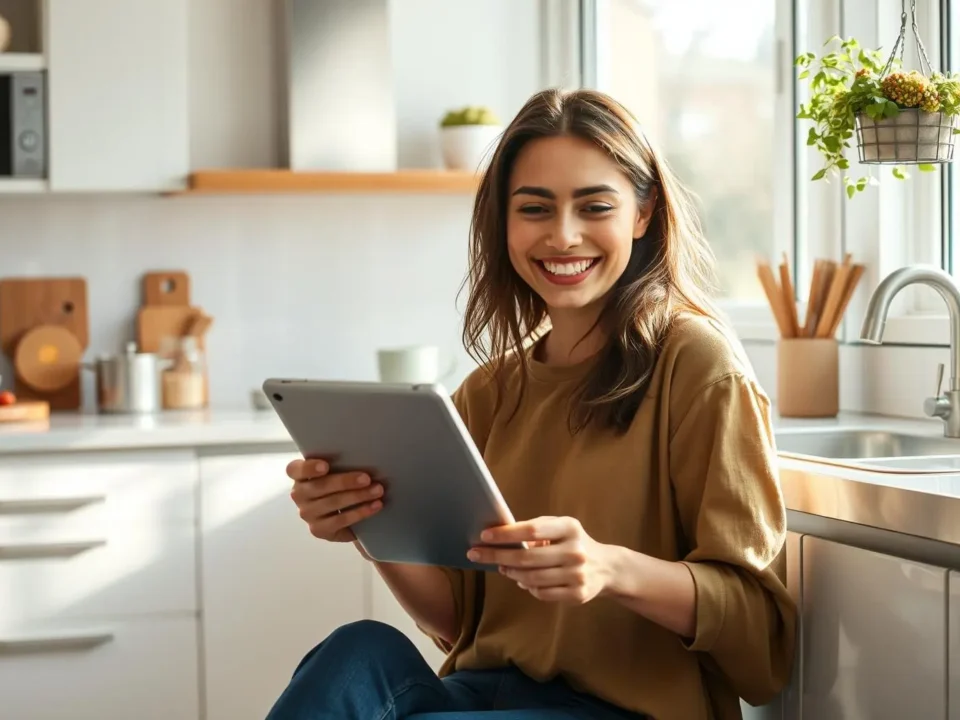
(166, 288)
(774, 297)
(834, 297)
(789, 297)
(853, 280)
(154, 323)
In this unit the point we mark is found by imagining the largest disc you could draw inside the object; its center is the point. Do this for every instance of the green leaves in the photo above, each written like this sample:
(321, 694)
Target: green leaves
(925, 167)
(845, 83)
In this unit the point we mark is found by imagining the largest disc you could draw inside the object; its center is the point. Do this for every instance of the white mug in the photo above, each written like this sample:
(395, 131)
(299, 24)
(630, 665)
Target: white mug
(419, 364)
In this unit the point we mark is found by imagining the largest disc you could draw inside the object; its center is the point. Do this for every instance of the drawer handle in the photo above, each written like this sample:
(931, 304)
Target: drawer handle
(47, 505)
(32, 551)
(54, 643)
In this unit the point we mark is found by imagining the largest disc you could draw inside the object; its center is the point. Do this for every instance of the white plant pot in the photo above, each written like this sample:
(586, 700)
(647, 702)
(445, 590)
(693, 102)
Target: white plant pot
(467, 147)
(912, 136)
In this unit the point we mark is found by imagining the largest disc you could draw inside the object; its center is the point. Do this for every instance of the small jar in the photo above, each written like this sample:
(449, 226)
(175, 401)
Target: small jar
(184, 380)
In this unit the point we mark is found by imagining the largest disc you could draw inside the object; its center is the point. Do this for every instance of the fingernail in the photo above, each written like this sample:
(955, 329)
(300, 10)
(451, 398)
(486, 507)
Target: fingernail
(322, 467)
(376, 490)
(473, 555)
(486, 536)
(363, 480)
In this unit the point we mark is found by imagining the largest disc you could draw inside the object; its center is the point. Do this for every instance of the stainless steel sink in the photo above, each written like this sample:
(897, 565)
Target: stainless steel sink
(874, 449)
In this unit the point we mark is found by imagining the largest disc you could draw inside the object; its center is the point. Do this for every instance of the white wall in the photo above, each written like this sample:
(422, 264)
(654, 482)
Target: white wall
(308, 286)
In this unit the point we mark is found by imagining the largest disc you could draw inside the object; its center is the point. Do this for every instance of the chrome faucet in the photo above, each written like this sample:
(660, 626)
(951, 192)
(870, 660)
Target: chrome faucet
(945, 406)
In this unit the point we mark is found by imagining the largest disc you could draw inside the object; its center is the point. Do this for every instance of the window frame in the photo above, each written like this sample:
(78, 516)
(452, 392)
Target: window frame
(814, 219)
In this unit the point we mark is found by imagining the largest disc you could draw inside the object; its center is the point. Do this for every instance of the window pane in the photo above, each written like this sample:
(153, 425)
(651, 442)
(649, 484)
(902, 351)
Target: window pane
(700, 77)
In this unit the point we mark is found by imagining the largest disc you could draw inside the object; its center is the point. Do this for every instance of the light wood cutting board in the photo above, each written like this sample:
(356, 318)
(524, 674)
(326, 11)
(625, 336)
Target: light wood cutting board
(155, 322)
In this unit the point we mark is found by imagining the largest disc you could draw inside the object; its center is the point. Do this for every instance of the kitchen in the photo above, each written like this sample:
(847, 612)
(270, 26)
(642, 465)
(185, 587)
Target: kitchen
(165, 529)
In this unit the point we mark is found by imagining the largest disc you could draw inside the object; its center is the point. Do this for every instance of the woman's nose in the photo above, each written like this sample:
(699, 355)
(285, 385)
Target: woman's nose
(565, 233)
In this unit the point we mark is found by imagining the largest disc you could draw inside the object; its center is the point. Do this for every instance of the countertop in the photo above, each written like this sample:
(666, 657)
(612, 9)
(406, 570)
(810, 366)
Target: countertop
(75, 431)
(927, 505)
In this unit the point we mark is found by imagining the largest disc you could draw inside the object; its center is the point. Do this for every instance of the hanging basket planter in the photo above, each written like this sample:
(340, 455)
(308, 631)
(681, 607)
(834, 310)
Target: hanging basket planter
(894, 117)
(912, 136)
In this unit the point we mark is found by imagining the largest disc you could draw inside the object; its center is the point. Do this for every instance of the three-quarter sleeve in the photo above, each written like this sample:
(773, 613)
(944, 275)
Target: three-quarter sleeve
(723, 467)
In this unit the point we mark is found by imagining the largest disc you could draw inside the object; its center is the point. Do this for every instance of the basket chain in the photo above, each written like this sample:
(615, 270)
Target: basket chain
(898, 46)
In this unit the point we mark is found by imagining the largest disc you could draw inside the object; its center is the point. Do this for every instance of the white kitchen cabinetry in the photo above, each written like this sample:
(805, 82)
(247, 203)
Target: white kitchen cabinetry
(143, 669)
(97, 586)
(953, 643)
(874, 635)
(270, 590)
(118, 94)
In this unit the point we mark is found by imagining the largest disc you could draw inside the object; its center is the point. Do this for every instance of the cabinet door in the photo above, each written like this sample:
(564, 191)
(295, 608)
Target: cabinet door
(953, 659)
(270, 590)
(118, 94)
(874, 635)
(119, 669)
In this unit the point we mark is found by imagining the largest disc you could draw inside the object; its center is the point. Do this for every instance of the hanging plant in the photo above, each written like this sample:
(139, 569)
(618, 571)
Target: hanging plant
(899, 118)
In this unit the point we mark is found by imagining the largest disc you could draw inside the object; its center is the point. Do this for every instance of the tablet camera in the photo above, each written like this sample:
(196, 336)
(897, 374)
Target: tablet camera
(278, 397)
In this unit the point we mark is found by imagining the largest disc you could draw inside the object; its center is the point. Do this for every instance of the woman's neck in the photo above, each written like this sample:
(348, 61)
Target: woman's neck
(574, 336)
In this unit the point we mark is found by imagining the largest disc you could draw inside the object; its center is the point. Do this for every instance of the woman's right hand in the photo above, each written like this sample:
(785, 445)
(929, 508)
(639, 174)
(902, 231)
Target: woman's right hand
(331, 503)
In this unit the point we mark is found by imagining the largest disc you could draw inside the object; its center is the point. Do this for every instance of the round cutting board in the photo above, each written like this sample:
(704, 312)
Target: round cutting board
(47, 358)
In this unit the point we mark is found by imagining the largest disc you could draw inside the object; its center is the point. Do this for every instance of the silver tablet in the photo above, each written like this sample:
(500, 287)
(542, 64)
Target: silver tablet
(438, 493)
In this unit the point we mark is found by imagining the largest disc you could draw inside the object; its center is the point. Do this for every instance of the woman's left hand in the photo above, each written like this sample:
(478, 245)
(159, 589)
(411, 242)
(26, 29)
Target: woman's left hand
(561, 564)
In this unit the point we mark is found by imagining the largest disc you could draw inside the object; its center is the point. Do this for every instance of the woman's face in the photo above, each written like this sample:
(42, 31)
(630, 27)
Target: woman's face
(571, 220)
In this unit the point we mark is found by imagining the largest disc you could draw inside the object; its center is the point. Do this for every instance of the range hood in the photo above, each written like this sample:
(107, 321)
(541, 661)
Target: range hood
(340, 102)
(340, 125)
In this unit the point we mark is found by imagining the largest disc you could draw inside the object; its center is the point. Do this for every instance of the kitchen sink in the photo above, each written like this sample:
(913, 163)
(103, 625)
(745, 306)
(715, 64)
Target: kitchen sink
(874, 449)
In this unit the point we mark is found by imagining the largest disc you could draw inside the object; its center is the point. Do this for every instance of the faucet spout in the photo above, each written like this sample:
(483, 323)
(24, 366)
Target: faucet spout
(876, 315)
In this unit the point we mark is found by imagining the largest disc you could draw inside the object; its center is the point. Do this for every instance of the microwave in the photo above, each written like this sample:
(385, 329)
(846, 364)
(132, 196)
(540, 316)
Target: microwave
(23, 122)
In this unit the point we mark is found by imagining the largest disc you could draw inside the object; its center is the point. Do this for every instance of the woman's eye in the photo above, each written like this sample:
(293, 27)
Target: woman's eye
(533, 209)
(597, 208)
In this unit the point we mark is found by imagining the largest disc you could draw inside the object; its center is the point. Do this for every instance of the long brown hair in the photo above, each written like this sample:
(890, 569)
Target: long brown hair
(670, 268)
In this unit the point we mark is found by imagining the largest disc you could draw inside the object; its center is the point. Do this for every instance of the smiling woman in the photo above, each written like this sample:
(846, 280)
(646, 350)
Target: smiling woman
(627, 433)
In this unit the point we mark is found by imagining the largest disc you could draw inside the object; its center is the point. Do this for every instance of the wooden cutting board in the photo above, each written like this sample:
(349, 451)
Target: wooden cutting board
(48, 359)
(28, 411)
(26, 303)
(154, 323)
(165, 288)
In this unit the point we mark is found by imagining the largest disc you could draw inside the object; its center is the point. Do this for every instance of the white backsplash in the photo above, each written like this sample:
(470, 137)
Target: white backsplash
(300, 286)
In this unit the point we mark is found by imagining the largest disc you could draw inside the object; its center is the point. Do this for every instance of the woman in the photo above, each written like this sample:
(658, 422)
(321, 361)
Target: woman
(621, 421)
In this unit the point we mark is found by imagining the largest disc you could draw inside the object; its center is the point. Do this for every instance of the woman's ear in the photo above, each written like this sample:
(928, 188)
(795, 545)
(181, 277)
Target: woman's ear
(645, 214)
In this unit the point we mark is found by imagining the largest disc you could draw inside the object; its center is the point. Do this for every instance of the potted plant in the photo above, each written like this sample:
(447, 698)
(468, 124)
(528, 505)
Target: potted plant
(899, 118)
(466, 135)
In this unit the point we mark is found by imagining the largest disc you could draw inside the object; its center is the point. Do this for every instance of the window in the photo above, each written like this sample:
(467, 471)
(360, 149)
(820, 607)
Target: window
(700, 76)
(713, 85)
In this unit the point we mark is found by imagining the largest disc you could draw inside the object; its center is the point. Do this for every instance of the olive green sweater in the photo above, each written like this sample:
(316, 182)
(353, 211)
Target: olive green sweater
(694, 480)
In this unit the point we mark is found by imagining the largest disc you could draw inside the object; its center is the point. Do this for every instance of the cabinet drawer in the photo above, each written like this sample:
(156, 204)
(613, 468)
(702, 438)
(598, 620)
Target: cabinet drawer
(134, 669)
(97, 535)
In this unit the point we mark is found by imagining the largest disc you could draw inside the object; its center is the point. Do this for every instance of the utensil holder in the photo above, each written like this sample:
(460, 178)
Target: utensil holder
(808, 377)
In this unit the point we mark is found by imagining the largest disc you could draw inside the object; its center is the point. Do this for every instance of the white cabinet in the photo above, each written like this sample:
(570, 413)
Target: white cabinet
(97, 586)
(118, 94)
(874, 635)
(953, 643)
(143, 669)
(270, 590)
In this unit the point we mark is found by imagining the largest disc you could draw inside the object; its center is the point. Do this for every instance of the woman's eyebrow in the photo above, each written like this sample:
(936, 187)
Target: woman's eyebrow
(579, 192)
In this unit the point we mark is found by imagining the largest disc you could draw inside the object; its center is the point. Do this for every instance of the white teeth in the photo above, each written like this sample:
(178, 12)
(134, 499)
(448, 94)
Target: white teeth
(569, 268)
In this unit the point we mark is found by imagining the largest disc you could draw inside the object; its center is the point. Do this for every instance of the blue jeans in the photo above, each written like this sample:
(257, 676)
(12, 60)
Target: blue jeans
(370, 671)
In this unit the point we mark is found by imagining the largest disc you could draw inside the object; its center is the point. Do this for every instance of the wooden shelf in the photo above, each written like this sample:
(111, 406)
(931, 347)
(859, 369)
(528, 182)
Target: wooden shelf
(223, 182)
(16, 62)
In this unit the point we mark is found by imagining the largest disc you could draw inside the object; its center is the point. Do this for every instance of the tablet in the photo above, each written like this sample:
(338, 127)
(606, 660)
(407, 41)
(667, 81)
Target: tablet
(438, 493)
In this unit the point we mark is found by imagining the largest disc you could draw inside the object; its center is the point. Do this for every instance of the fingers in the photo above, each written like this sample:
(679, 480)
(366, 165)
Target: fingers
(307, 469)
(328, 504)
(541, 528)
(314, 488)
(559, 555)
(546, 577)
(328, 526)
